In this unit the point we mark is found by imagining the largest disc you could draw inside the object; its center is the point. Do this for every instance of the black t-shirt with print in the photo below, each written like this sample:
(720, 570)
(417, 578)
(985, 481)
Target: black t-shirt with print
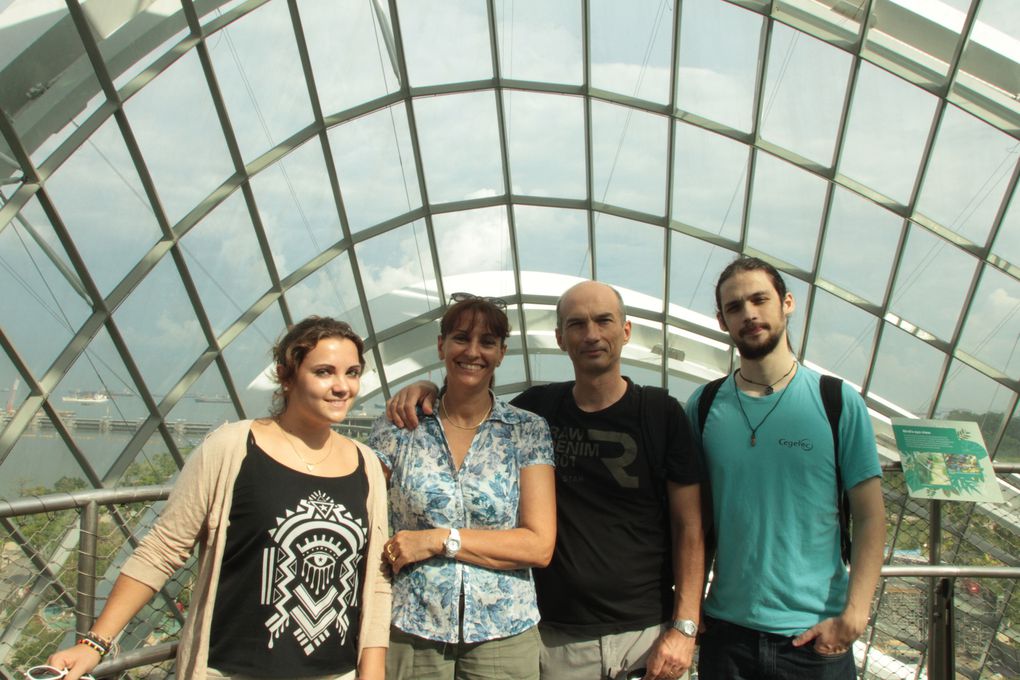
(288, 601)
(612, 568)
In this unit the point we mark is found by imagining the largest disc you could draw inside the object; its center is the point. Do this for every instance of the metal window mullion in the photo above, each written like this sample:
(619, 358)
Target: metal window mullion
(29, 173)
(869, 370)
(504, 150)
(412, 123)
(755, 136)
(233, 148)
(961, 46)
(830, 191)
(589, 143)
(334, 182)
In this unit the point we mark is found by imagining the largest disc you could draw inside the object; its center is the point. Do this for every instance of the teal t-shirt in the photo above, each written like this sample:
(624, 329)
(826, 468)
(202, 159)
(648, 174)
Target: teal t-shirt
(778, 566)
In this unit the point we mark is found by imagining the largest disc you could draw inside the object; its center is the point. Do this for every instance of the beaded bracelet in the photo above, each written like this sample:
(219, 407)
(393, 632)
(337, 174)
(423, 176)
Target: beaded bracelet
(93, 641)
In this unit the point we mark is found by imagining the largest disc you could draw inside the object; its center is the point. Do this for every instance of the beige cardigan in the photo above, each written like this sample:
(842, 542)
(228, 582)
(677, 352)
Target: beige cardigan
(197, 513)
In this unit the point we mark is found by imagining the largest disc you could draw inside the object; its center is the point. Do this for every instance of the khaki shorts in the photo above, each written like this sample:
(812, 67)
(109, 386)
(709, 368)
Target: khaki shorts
(511, 658)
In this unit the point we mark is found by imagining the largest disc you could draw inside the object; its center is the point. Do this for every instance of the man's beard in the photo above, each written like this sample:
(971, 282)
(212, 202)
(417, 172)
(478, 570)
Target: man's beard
(758, 351)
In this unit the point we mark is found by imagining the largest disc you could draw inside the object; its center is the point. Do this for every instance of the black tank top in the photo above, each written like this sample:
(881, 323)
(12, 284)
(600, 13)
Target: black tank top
(289, 596)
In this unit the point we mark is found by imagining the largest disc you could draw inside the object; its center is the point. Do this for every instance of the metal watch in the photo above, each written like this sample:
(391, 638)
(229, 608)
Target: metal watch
(451, 546)
(686, 627)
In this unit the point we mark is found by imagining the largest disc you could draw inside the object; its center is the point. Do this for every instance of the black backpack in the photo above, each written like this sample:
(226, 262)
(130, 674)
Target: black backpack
(831, 388)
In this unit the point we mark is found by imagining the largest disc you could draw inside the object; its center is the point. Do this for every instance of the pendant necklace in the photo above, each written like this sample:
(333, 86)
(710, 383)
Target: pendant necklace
(310, 466)
(769, 389)
(754, 430)
(446, 414)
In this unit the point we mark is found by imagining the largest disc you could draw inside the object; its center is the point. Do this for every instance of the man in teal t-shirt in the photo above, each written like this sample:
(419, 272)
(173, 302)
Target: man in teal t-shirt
(781, 604)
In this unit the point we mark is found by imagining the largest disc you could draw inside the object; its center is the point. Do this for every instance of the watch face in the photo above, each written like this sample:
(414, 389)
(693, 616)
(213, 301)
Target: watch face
(687, 627)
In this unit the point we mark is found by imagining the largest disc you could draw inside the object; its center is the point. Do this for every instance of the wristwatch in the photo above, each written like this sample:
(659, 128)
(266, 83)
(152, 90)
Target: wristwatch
(686, 627)
(451, 546)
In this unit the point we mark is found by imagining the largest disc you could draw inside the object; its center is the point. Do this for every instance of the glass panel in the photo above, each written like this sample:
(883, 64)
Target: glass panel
(644, 351)
(968, 395)
(1007, 241)
(709, 181)
(474, 252)
(1009, 449)
(906, 372)
(932, 269)
(103, 205)
(329, 291)
(836, 18)
(545, 136)
(345, 37)
(179, 134)
(264, 89)
(375, 166)
(540, 40)
(694, 269)
(993, 325)
(133, 49)
(159, 328)
(629, 152)
(548, 362)
(13, 390)
(551, 240)
(98, 402)
(445, 42)
(205, 406)
(41, 463)
(797, 322)
(969, 171)
(631, 48)
(297, 207)
(248, 358)
(719, 45)
(805, 87)
(841, 337)
(47, 307)
(225, 262)
(396, 268)
(860, 244)
(413, 353)
(921, 37)
(50, 87)
(989, 65)
(887, 129)
(629, 255)
(786, 211)
(460, 146)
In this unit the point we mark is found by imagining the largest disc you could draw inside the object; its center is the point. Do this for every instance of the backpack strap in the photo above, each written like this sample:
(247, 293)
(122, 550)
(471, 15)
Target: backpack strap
(706, 399)
(653, 405)
(831, 388)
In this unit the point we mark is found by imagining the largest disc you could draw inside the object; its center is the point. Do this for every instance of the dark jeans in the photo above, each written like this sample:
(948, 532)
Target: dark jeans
(732, 652)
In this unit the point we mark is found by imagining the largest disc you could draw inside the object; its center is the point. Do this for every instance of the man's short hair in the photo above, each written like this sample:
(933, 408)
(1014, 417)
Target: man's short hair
(748, 264)
(559, 303)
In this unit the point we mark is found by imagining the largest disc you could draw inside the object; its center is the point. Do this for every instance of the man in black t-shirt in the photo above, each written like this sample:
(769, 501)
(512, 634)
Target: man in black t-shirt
(628, 508)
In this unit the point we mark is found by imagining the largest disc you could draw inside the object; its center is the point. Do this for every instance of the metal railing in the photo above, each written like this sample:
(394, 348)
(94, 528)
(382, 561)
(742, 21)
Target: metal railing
(62, 551)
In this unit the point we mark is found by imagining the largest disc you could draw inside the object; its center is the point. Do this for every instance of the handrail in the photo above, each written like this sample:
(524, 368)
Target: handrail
(939, 575)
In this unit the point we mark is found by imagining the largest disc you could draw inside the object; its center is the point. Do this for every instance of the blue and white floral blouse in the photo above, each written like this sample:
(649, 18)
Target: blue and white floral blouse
(427, 492)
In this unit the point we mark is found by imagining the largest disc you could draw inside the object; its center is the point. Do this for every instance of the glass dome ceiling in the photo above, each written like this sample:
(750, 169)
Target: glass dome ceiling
(180, 180)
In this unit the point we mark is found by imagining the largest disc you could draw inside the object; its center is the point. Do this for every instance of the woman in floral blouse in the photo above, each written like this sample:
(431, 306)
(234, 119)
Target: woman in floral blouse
(472, 502)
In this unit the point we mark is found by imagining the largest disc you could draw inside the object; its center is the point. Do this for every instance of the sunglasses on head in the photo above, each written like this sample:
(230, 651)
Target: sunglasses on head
(50, 673)
(498, 303)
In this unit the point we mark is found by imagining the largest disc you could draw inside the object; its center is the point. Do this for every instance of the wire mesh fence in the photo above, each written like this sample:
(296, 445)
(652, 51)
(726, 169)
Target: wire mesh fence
(39, 572)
